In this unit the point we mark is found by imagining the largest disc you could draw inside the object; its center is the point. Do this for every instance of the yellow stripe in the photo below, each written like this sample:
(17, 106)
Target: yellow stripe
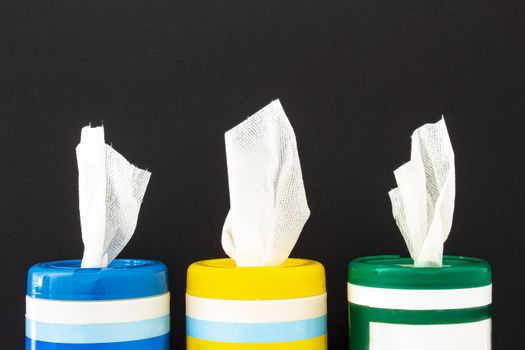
(222, 279)
(318, 343)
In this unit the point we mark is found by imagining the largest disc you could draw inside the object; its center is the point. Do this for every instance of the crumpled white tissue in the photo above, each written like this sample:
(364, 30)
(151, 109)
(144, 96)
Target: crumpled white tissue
(423, 202)
(110, 194)
(268, 207)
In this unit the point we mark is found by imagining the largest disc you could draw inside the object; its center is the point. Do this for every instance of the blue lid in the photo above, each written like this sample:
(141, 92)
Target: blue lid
(122, 279)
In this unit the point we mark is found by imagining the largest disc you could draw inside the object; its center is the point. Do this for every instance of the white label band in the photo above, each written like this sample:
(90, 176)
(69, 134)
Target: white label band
(255, 311)
(463, 336)
(420, 299)
(98, 311)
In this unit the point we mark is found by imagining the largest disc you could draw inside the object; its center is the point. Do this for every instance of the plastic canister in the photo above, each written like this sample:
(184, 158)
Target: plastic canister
(394, 305)
(124, 306)
(256, 308)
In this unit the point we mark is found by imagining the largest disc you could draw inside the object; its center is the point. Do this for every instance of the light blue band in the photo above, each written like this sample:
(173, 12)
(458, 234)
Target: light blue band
(97, 333)
(256, 332)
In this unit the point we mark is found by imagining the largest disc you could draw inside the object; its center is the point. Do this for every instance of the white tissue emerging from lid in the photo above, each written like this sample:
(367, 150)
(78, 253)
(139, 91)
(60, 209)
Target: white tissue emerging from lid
(423, 202)
(268, 207)
(110, 194)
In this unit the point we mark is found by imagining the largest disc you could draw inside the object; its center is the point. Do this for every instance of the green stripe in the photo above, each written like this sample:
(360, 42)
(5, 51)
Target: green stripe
(361, 316)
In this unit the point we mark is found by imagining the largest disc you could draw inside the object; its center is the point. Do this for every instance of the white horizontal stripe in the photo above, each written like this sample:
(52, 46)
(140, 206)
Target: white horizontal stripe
(420, 299)
(97, 311)
(255, 311)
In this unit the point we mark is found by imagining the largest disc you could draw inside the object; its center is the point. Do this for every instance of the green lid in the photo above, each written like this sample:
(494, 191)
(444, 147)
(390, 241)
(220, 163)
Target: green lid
(392, 271)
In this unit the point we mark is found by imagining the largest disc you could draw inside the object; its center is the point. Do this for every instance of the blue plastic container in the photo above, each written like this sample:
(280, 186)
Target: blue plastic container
(124, 306)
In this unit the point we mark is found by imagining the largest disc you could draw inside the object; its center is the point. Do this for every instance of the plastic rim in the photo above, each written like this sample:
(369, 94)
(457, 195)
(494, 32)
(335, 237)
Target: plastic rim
(122, 279)
(392, 271)
(222, 279)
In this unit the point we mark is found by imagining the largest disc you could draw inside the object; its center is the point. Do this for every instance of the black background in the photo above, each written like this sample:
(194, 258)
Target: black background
(167, 78)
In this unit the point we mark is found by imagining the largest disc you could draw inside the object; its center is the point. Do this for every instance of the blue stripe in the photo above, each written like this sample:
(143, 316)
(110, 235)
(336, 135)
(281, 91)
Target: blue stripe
(97, 333)
(256, 332)
(157, 343)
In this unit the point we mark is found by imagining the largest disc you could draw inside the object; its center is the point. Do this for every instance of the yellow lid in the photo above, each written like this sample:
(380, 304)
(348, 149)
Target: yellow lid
(222, 279)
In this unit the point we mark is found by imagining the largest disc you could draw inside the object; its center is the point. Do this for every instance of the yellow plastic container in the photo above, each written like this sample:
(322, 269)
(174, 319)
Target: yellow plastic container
(256, 308)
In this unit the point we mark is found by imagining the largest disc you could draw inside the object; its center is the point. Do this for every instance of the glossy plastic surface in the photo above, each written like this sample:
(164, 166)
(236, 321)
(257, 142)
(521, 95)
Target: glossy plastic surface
(392, 271)
(122, 279)
(222, 279)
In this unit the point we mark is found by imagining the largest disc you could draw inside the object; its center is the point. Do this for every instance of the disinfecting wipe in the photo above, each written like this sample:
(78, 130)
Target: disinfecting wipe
(110, 194)
(423, 202)
(429, 301)
(268, 206)
(99, 302)
(260, 298)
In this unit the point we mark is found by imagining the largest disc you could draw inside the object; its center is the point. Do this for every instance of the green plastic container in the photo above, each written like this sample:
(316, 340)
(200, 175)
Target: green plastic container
(394, 305)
